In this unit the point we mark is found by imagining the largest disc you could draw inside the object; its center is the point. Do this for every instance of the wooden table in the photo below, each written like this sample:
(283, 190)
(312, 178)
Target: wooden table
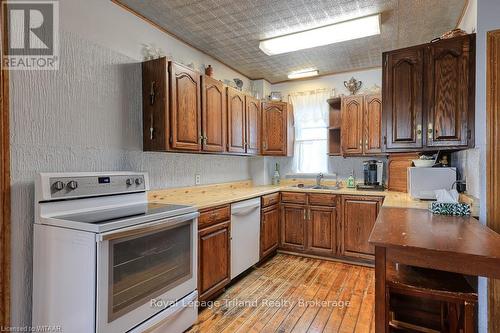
(417, 237)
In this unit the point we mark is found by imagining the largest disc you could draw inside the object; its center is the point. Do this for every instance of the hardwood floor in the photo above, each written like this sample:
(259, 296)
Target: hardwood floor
(295, 294)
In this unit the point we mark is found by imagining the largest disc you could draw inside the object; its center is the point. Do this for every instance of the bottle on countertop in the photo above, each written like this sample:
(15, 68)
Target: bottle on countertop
(276, 175)
(351, 181)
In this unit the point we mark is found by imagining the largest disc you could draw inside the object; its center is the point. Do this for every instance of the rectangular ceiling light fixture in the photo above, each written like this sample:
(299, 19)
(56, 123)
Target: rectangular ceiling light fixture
(303, 73)
(329, 34)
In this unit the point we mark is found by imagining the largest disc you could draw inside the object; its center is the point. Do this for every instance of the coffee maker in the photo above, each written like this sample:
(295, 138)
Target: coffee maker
(373, 172)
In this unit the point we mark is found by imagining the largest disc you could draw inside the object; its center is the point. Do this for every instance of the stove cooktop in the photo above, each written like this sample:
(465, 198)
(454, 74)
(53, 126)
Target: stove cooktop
(102, 220)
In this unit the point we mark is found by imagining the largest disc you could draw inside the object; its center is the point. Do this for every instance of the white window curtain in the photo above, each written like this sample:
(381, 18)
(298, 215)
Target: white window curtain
(311, 131)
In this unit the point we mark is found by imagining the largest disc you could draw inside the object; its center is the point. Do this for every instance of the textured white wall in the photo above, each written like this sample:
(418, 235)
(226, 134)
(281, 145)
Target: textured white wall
(469, 20)
(107, 24)
(369, 77)
(85, 117)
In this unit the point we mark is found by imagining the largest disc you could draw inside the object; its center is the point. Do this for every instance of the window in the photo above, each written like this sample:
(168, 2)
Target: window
(311, 132)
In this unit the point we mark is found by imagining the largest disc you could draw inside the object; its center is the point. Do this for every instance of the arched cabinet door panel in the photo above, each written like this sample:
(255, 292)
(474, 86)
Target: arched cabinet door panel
(235, 121)
(185, 108)
(403, 97)
(448, 92)
(213, 115)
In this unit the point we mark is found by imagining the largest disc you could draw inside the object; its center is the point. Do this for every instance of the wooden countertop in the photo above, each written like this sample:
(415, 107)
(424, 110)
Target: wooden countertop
(453, 239)
(220, 194)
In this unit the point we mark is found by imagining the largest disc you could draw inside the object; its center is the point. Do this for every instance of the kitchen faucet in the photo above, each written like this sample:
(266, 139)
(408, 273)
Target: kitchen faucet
(318, 179)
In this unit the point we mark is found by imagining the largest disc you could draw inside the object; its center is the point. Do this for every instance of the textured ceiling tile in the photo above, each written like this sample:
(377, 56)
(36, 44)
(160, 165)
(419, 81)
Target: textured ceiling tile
(230, 30)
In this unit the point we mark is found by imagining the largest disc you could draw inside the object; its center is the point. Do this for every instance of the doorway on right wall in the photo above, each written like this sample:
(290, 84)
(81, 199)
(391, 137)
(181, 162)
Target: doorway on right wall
(493, 163)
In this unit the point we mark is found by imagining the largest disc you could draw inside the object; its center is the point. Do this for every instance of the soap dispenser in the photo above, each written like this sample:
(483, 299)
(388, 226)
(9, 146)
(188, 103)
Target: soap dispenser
(351, 182)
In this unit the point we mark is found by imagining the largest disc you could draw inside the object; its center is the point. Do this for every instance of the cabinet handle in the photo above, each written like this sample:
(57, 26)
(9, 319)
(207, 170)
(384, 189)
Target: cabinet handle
(152, 93)
(265, 144)
(429, 131)
(419, 131)
(360, 143)
(151, 127)
(305, 218)
(309, 214)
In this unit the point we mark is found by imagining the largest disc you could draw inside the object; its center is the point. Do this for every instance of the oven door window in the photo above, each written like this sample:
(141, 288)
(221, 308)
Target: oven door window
(147, 265)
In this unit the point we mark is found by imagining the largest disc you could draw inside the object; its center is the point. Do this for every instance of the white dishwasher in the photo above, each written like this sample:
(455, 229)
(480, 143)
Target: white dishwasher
(245, 235)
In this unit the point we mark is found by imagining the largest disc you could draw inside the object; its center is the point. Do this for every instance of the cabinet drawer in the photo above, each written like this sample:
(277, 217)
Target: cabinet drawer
(213, 215)
(321, 199)
(294, 197)
(270, 199)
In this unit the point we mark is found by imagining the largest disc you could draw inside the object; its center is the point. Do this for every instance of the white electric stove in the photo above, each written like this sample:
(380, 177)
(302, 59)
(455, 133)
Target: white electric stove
(107, 261)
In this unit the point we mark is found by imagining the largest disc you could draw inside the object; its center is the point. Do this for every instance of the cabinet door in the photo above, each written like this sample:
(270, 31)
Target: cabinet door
(359, 216)
(448, 93)
(402, 96)
(253, 120)
(274, 128)
(213, 115)
(185, 112)
(321, 230)
(269, 230)
(235, 121)
(372, 124)
(213, 259)
(352, 125)
(293, 233)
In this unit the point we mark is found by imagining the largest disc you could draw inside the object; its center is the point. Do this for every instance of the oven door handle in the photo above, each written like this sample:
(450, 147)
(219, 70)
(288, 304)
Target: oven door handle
(145, 228)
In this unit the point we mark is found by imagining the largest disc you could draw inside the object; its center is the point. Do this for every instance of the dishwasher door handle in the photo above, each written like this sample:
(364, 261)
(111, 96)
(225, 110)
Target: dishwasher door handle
(246, 211)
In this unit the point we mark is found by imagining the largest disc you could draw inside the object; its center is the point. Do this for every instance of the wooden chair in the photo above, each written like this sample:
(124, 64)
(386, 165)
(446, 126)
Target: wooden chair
(429, 301)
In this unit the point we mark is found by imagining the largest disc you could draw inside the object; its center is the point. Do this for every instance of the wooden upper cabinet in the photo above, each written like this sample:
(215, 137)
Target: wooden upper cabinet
(448, 91)
(155, 101)
(372, 123)
(352, 125)
(429, 96)
(185, 111)
(277, 129)
(171, 107)
(213, 116)
(235, 121)
(253, 122)
(403, 97)
(359, 216)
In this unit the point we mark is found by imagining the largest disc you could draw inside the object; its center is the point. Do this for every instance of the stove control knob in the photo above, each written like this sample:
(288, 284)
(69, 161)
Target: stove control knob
(59, 185)
(72, 185)
(130, 181)
(138, 181)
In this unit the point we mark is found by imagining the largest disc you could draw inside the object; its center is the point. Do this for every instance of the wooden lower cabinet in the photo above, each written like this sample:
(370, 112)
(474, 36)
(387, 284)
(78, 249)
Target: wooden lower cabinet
(293, 231)
(358, 218)
(269, 230)
(321, 225)
(310, 227)
(214, 259)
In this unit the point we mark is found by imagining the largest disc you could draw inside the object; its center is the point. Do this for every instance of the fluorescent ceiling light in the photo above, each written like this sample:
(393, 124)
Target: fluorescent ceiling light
(334, 33)
(303, 73)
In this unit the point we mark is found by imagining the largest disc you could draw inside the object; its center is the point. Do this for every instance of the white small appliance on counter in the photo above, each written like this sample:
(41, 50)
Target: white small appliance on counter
(105, 260)
(422, 182)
